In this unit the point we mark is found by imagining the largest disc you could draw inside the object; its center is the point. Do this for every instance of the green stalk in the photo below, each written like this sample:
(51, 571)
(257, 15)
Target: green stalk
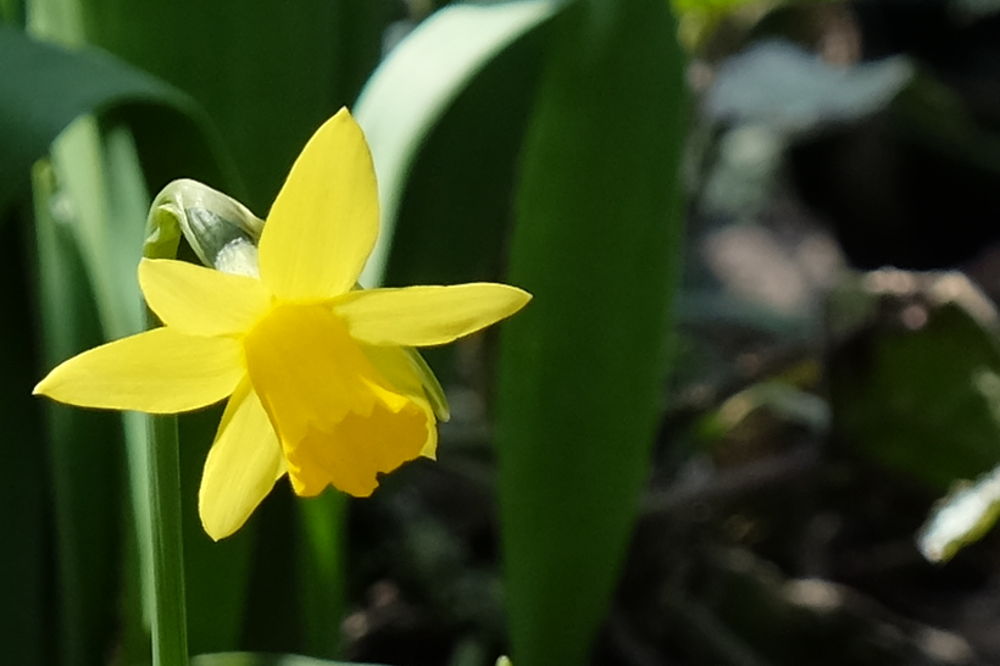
(164, 483)
(320, 571)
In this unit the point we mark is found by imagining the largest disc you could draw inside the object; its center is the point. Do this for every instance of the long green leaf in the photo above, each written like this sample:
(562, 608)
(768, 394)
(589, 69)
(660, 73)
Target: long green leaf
(267, 74)
(446, 145)
(44, 87)
(411, 90)
(596, 242)
(102, 184)
(84, 170)
(85, 452)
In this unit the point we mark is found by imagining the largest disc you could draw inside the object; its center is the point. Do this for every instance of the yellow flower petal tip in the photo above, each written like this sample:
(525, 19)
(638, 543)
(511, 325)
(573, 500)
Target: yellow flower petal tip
(161, 371)
(324, 221)
(425, 316)
(242, 466)
(324, 382)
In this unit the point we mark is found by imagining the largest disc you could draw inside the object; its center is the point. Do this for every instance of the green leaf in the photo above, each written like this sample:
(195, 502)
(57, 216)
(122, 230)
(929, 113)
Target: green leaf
(446, 147)
(414, 87)
(597, 243)
(102, 185)
(267, 76)
(85, 452)
(462, 177)
(921, 401)
(271, 78)
(46, 87)
(78, 249)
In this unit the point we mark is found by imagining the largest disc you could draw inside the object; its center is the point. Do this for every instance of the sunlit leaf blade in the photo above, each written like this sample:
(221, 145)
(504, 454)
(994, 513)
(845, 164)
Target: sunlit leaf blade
(462, 175)
(596, 242)
(414, 86)
(447, 163)
(961, 518)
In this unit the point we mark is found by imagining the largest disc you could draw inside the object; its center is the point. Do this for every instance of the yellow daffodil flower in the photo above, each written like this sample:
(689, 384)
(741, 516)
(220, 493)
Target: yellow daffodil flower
(321, 382)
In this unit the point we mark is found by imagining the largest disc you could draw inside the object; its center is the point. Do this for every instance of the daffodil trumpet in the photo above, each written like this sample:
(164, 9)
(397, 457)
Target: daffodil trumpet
(321, 379)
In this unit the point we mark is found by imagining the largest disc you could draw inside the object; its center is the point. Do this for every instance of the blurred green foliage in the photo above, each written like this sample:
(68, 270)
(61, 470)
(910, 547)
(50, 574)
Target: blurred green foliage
(898, 394)
(541, 142)
(266, 78)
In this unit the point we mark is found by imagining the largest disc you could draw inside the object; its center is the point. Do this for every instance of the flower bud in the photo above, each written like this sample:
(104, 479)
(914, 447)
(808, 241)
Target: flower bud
(222, 232)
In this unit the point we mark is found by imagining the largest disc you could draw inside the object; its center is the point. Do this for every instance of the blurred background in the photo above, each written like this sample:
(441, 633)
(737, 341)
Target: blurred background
(751, 416)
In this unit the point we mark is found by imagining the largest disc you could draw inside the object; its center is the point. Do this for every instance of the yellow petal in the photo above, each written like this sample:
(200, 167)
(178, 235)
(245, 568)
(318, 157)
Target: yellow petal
(422, 316)
(405, 370)
(201, 301)
(429, 447)
(307, 370)
(242, 466)
(351, 456)
(339, 420)
(323, 225)
(432, 387)
(159, 371)
(396, 365)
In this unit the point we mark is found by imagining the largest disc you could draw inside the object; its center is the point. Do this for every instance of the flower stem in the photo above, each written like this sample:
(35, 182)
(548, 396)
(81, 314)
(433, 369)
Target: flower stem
(169, 616)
